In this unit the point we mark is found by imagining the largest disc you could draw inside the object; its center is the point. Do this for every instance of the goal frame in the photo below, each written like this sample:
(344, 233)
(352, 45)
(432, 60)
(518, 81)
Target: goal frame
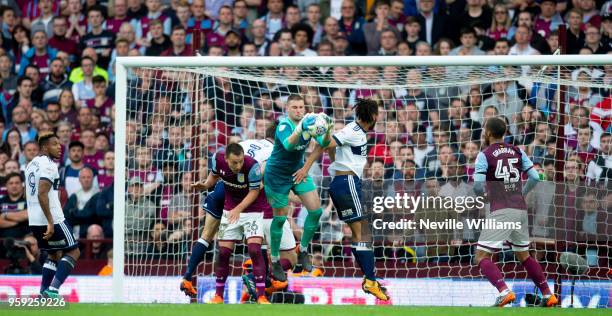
(123, 63)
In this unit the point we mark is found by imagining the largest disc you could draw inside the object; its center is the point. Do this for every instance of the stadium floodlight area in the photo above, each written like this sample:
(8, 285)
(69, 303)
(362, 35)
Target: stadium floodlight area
(173, 113)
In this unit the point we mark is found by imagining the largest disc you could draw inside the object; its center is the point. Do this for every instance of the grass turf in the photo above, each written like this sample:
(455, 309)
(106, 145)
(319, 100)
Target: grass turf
(296, 310)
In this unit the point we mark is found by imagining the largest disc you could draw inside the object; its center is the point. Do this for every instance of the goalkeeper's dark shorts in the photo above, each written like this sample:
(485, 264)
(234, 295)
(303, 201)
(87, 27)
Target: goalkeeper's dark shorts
(345, 192)
(213, 203)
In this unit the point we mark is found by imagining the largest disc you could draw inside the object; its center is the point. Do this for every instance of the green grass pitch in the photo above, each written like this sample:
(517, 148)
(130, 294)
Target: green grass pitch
(296, 310)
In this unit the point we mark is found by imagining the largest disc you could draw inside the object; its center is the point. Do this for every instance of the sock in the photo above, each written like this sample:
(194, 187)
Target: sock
(286, 264)
(65, 265)
(197, 255)
(311, 225)
(222, 270)
(492, 273)
(264, 254)
(365, 258)
(48, 272)
(259, 271)
(534, 270)
(276, 233)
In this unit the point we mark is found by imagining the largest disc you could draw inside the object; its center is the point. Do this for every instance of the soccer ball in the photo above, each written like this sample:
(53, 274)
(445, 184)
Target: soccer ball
(321, 125)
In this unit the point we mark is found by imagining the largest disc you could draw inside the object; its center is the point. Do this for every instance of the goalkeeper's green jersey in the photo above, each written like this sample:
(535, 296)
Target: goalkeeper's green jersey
(287, 158)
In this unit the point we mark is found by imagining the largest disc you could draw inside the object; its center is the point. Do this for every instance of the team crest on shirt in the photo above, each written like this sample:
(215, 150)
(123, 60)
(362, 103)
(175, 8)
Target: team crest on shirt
(240, 177)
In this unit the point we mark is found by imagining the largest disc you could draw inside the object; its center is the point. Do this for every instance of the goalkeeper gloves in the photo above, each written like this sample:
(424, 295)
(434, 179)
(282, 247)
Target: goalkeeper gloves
(306, 124)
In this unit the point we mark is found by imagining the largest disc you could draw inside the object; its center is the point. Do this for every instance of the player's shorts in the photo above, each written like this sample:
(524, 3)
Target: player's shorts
(213, 203)
(493, 239)
(249, 225)
(62, 238)
(277, 188)
(345, 192)
(287, 240)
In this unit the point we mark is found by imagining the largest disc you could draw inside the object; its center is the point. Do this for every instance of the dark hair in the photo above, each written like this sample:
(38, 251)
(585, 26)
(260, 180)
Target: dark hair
(21, 79)
(75, 143)
(503, 40)
(12, 175)
(43, 139)
(365, 109)
(302, 27)
(98, 8)
(496, 126)
(467, 30)
(234, 149)
(98, 79)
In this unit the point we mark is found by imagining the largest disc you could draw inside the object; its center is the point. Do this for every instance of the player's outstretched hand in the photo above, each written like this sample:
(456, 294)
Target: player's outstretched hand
(300, 175)
(233, 216)
(50, 230)
(200, 186)
(306, 123)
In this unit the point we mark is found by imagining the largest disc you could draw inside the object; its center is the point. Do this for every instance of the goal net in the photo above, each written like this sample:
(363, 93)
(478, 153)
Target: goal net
(173, 114)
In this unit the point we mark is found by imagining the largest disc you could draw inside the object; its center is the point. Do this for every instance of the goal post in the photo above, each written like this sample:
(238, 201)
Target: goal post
(192, 89)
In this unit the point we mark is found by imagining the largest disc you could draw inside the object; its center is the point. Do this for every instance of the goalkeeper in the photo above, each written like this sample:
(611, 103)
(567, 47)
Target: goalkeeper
(285, 172)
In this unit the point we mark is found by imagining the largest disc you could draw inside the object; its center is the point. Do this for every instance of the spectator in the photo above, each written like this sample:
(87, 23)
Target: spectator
(549, 19)
(274, 19)
(43, 22)
(9, 20)
(258, 31)
(501, 22)
(119, 17)
(397, 18)
(159, 41)
(77, 21)
(575, 35)
(240, 13)
(590, 13)
(21, 98)
(352, 25)
(388, 43)
(154, 12)
(302, 37)
(180, 205)
(91, 157)
(98, 38)
(83, 89)
(313, 18)
(178, 48)
(140, 215)
(77, 75)
(69, 174)
(55, 82)
(33, 73)
(107, 172)
(592, 40)
(599, 168)
(30, 151)
(99, 250)
(7, 76)
(372, 30)
(58, 39)
(21, 40)
(13, 212)
(53, 113)
(40, 55)
(292, 16)
(21, 123)
(468, 42)
(522, 46)
(67, 105)
(104, 210)
(506, 104)
(233, 43)
(101, 104)
(433, 26)
(81, 208)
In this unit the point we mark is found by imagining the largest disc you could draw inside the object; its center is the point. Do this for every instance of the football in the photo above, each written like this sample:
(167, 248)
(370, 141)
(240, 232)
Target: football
(321, 125)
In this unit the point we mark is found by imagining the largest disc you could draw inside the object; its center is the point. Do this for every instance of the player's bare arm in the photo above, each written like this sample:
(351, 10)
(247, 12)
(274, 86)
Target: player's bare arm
(210, 181)
(44, 186)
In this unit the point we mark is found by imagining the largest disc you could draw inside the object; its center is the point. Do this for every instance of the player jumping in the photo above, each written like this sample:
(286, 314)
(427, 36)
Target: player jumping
(284, 166)
(46, 217)
(501, 164)
(348, 151)
(242, 179)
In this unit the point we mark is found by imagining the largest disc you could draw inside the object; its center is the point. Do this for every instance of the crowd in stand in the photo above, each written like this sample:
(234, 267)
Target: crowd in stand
(57, 73)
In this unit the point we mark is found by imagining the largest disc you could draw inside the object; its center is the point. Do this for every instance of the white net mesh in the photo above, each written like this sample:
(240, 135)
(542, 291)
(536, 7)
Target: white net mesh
(431, 117)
